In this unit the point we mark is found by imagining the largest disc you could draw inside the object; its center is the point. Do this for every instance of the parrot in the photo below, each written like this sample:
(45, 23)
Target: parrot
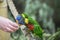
(33, 25)
(30, 23)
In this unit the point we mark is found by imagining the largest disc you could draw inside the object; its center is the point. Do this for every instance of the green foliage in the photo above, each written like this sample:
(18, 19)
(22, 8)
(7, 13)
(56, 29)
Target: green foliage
(55, 36)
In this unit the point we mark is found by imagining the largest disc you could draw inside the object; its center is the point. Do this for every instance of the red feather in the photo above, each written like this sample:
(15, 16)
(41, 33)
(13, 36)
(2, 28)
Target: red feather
(30, 26)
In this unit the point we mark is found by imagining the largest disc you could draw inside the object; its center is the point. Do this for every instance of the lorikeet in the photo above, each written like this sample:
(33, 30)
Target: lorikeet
(33, 25)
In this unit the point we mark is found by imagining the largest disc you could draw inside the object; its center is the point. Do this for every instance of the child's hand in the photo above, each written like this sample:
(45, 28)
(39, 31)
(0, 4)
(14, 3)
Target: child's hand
(7, 25)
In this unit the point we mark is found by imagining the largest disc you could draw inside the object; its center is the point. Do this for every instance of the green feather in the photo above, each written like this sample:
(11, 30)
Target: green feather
(37, 28)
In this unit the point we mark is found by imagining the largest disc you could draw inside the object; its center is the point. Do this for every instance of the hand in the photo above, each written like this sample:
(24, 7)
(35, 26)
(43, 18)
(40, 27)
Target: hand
(7, 25)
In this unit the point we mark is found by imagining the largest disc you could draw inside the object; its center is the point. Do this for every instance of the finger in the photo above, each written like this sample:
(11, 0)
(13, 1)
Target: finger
(13, 28)
(9, 30)
(13, 24)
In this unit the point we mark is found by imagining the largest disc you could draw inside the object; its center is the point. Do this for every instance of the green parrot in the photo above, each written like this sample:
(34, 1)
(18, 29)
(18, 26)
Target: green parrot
(33, 25)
